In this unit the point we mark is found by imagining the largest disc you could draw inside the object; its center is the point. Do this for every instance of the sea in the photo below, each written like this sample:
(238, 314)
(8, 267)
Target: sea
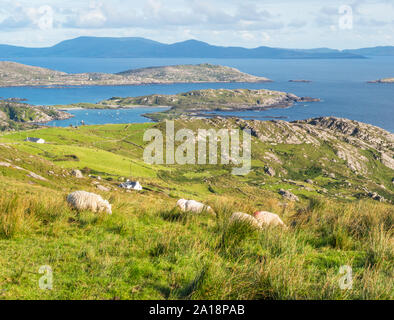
(341, 84)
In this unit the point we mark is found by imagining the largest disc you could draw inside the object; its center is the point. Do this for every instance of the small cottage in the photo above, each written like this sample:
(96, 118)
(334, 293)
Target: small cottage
(35, 140)
(131, 185)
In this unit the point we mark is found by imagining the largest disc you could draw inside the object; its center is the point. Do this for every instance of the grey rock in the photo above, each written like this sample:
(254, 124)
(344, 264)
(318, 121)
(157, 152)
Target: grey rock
(102, 188)
(270, 171)
(377, 197)
(288, 195)
(77, 173)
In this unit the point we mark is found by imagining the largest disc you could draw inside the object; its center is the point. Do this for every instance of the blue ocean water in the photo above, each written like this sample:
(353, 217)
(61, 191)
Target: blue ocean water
(339, 83)
(102, 116)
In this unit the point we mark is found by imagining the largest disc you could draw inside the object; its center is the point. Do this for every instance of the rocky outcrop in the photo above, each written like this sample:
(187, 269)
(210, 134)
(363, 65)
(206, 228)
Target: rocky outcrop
(3, 115)
(272, 157)
(354, 160)
(387, 160)
(348, 138)
(376, 196)
(288, 195)
(102, 188)
(29, 173)
(270, 171)
(356, 132)
(77, 173)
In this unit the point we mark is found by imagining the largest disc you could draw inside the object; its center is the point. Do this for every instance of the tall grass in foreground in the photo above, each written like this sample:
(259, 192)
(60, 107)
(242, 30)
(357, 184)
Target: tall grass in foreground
(238, 262)
(149, 250)
(24, 214)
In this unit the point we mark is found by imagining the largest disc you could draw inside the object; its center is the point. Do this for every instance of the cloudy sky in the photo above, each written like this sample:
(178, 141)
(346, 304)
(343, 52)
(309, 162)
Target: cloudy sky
(249, 23)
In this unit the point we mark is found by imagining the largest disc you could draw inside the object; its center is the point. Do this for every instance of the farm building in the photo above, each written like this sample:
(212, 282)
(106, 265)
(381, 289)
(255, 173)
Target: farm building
(35, 140)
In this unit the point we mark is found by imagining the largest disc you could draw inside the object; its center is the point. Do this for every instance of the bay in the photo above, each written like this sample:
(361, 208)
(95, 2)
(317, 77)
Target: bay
(339, 83)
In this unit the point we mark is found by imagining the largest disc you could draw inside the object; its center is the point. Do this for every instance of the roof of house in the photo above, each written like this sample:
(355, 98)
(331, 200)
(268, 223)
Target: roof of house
(33, 139)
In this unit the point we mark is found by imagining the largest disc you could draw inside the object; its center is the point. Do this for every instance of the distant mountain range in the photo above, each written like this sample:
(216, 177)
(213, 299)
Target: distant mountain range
(100, 47)
(375, 51)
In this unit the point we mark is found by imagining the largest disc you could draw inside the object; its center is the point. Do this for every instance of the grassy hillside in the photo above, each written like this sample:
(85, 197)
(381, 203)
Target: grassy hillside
(16, 74)
(147, 249)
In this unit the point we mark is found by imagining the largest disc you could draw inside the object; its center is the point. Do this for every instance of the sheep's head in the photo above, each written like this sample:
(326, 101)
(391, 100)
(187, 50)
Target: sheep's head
(105, 206)
(181, 203)
(210, 210)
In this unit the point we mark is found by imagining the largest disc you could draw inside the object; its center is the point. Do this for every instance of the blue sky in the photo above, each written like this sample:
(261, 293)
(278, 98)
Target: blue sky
(249, 23)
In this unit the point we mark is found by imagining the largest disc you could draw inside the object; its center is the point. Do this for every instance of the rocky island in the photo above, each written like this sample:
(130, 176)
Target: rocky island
(14, 74)
(18, 115)
(385, 80)
(192, 102)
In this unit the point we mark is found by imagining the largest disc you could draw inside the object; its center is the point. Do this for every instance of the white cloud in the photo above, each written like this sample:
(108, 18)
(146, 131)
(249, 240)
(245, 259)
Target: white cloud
(41, 17)
(300, 23)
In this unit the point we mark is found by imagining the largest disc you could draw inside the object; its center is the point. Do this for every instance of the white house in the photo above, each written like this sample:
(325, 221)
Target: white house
(35, 140)
(131, 185)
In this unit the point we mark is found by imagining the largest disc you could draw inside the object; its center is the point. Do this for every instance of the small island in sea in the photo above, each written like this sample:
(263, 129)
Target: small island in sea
(193, 102)
(19, 115)
(14, 74)
(384, 80)
(301, 80)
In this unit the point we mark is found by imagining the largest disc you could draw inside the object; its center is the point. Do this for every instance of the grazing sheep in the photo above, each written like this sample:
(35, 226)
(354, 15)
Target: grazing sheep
(268, 218)
(244, 217)
(181, 203)
(193, 206)
(82, 200)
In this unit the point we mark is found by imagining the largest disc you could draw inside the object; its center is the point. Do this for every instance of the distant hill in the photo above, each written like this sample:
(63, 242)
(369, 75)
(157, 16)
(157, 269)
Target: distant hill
(375, 51)
(16, 74)
(192, 73)
(104, 47)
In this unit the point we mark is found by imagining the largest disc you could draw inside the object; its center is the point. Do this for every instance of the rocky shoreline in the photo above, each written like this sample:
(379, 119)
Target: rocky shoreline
(17, 115)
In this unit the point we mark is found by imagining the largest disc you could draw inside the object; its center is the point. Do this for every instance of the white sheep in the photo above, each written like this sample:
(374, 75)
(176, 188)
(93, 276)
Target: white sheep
(181, 203)
(82, 200)
(238, 217)
(193, 206)
(268, 219)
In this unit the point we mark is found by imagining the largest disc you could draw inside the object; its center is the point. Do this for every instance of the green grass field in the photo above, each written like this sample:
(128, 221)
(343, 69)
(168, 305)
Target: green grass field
(148, 249)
